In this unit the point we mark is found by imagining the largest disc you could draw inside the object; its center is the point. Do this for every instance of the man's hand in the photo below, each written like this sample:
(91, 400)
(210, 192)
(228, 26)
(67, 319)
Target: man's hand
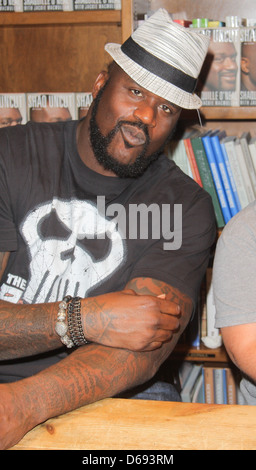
(130, 321)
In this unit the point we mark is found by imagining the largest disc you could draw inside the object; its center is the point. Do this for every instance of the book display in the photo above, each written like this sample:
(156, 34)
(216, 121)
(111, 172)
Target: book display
(50, 107)
(12, 109)
(58, 5)
(82, 103)
(219, 80)
(248, 67)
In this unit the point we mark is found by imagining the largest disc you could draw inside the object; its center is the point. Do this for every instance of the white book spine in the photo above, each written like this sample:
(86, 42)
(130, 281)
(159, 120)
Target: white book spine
(237, 173)
(244, 171)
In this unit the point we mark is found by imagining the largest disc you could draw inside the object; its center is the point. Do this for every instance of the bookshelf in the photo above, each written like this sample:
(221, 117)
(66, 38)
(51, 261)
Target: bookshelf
(58, 51)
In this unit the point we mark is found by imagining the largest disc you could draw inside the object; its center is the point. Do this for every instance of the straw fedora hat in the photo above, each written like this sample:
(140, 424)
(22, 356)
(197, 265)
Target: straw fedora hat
(164, 57)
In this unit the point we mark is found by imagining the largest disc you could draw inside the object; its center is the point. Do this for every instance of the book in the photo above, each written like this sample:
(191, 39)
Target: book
(252, 148)
(244, 170)
(47, 5)
(231, 386)
(96, 5)
(229, 144)
(176, 151)
(198, 392)
(219, 379)
(219, 79)
(248, 67)
(216, 177)
(244, 139)
(188, 389)
(231, 176)
(213, 337)
(208, 380)
(217, 149)
(51, 107)
(192, 159)
(83, 102)
(12, 109)
(206, 176)
(11, 5)
(184, 372)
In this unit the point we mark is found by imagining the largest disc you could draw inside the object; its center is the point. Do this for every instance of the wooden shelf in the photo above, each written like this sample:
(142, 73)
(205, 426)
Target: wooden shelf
(221, 113)
(230, 113)
(59, 17)
(184, 353)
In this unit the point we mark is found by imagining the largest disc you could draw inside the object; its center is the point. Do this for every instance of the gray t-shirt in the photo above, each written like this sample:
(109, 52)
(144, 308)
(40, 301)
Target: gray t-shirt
(234, 279)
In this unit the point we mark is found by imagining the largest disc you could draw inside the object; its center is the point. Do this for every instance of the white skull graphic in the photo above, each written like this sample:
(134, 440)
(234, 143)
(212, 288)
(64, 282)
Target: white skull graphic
(63, 266)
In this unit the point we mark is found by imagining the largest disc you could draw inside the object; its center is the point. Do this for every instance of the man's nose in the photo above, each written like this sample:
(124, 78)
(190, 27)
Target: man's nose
(230, 63)
(146, 113)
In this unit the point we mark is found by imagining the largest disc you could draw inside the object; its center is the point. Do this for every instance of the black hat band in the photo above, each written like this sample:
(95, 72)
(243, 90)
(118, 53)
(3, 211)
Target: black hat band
(158, 67)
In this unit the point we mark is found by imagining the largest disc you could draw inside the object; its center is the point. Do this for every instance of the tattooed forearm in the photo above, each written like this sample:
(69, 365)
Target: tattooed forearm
(27, 329)
(89, 374)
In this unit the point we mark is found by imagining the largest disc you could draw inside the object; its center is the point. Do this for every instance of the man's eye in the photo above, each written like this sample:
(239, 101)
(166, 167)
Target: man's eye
(136, 92)
(165, 108)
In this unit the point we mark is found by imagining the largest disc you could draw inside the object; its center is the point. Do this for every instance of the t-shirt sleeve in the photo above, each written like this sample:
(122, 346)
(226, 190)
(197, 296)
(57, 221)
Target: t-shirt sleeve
(8, 236)
(234, 280)
(183, 266)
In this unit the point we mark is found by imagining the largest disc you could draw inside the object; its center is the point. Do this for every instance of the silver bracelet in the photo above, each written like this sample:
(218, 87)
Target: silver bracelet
(61, 326)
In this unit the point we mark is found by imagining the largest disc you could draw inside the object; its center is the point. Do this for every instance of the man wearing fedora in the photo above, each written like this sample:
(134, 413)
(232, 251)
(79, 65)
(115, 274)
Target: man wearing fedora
(89, 307)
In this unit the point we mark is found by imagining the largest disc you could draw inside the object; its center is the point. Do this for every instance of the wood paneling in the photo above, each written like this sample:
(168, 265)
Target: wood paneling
(54, 58)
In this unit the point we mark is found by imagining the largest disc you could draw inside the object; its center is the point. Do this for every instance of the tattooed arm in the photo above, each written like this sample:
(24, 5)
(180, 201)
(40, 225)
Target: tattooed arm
(122, 319)
(90, 373)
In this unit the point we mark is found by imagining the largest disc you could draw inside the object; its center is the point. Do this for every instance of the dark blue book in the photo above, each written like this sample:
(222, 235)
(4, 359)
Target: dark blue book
(215, 138)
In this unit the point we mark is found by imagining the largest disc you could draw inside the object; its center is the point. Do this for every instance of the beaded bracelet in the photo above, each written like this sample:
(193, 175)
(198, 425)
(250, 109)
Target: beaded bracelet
(75, 327)
(61, 326)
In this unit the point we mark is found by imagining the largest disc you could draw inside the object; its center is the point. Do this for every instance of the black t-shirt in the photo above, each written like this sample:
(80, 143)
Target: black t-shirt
(73, 231)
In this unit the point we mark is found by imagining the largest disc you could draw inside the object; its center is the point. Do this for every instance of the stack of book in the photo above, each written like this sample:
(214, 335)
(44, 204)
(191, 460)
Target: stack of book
(225, 166)
(58, 5)
(57, 106)
(210, 383)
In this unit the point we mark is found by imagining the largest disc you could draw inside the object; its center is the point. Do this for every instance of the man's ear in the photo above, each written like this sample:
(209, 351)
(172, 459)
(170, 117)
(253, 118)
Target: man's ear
(245, 65)
(99, 82)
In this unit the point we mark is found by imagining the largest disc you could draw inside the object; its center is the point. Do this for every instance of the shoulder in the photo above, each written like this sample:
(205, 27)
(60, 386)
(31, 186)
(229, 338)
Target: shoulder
(234, 269)
(239, 233)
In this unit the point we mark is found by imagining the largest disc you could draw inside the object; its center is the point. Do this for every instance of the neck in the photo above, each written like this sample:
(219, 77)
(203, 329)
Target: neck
(85, 150)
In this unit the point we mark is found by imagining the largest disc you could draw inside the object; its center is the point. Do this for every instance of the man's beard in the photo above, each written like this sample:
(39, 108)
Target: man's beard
(100, 145)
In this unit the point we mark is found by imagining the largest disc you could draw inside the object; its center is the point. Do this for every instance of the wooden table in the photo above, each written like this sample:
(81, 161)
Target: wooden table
(147, 425)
